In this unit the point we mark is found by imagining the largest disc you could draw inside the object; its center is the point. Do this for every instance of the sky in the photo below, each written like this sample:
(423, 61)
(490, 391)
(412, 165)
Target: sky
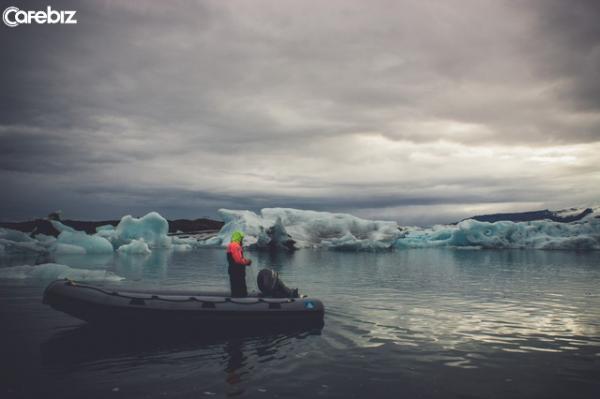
(417, 111)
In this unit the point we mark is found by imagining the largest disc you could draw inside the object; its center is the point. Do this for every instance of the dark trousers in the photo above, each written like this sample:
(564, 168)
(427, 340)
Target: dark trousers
(237, 280)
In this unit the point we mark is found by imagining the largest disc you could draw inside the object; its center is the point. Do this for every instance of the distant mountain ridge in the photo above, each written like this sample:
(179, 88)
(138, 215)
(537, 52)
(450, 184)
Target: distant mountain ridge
(187, 226)
(43, 226)
(562, 216)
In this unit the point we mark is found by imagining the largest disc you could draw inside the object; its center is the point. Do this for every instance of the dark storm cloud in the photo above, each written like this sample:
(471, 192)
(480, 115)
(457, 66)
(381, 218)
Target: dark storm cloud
(325, 105)
(572, 49)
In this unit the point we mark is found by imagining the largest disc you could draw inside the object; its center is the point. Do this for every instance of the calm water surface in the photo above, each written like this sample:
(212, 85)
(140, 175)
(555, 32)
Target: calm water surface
(417, 323)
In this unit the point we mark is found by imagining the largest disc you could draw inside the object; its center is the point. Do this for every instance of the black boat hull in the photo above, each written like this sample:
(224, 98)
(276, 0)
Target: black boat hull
(99, 305)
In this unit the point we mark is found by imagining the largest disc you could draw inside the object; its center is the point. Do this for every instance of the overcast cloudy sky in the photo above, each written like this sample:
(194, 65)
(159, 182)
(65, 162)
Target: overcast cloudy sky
(416, 111)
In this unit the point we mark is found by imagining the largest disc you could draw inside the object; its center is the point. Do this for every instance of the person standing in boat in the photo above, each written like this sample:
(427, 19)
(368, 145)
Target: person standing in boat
(237, 265)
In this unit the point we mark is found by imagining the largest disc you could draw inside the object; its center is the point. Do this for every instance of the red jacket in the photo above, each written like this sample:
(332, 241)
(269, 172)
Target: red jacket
(235, 254)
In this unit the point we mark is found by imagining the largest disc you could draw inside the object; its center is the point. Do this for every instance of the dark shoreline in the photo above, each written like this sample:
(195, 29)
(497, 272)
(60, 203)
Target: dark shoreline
(191, 226)
(43, 226)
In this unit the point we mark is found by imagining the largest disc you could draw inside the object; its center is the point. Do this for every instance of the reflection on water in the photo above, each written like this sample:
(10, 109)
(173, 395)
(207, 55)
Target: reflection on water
(428, 323)
(85, 345)
(517, 301)
(139, 267)
(89, 261)
(235, 355)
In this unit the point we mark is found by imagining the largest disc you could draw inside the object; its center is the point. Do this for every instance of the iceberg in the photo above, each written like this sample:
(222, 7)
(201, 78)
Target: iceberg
(152, 228)
(135, 247)
(131, 235)
(45, 239)
(105, 227)
(53, 271)
(12, 241)
(68, 249)
(182, 247)
(14, 235)
(540, 234)
(78, 242)
(107, 231)
(289, 229)
(60, 227)
(293, 229)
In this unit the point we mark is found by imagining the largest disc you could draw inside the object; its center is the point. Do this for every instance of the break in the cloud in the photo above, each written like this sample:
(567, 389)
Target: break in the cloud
(419, 111)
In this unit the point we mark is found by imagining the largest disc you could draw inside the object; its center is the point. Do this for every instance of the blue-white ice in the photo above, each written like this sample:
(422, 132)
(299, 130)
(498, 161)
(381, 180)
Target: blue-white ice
(131, 236)
(541, 234)
(12, 241)
(283, 228)
(52, 271)
(275, 226)
(71, 241)
(151, 228)
(135, 247)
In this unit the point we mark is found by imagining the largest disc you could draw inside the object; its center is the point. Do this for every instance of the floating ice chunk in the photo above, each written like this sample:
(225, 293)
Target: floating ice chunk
(275, 237)
(51, 271)
(279, 226)
(214, 241)
(107, 231)
(311, 228)
(195, 241)
(15, 235)
(105, 227)
(17, 246)
(109, 234)
(247, 221)
(182, 247)
(350, 243)
(61, 227)
(152, 228)
(540, 234)
(67, 240)
(14, 241)
(45, 239)
(68, 249)
(71, 241)
(135, 247)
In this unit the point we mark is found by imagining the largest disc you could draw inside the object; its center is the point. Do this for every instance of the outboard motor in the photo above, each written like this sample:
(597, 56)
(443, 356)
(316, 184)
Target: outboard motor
(270, 285)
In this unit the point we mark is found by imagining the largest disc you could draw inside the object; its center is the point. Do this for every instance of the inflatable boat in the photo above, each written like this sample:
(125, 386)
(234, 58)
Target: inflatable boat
(102, 305)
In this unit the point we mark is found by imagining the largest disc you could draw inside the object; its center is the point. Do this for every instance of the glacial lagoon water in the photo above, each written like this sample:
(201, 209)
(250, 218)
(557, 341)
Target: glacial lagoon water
(426, 323)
